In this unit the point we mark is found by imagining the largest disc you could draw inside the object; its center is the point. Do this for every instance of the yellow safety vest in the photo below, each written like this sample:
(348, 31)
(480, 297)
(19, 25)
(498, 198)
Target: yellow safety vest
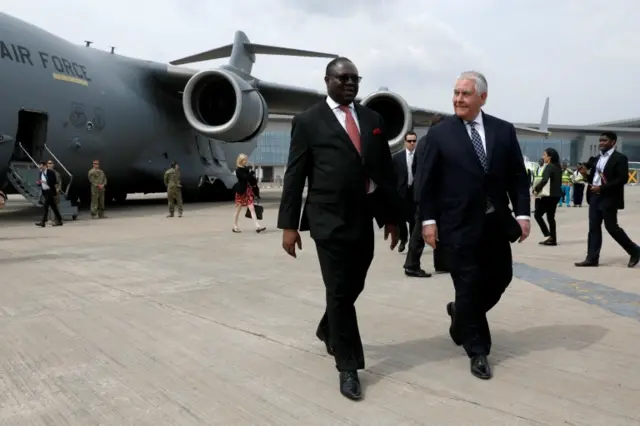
(537, 178)
(566, 177)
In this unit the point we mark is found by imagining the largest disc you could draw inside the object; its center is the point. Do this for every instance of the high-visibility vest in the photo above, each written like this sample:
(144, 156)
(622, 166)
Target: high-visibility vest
(566, 177)
(537, 177)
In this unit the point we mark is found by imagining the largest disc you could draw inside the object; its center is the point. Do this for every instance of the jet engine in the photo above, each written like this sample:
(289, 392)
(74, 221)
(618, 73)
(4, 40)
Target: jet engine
(221, 105)
(396, 115)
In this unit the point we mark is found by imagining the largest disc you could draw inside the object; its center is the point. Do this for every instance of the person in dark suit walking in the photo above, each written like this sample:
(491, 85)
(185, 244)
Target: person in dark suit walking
(404, 166)
(341, 148)
(607, 174)
(548, 202)
(472, 166)
(416, 242)
(47, 183)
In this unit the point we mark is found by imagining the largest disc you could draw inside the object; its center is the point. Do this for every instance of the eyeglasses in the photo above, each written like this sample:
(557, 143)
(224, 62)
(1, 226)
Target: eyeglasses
(344, 78)
(411, 140)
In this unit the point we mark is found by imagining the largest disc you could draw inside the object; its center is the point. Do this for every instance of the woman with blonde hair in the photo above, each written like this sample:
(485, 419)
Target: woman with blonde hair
(244, 192)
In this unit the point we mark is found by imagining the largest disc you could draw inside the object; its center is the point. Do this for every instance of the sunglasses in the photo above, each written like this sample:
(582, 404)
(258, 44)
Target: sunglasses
(344, 78)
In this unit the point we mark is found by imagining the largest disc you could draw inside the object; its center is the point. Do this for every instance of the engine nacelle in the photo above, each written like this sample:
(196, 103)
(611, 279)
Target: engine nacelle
(396, 115)
(219, 104)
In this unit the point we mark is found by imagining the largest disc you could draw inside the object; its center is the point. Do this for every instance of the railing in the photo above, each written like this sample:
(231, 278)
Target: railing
(35, 163)
(61, 165)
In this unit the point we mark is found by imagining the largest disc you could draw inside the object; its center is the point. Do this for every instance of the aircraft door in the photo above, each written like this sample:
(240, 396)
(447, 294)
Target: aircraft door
(32, 134)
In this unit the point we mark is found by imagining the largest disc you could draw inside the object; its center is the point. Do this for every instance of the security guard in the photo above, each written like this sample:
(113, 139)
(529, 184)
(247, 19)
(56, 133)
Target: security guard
(174, 188)
(566, 185)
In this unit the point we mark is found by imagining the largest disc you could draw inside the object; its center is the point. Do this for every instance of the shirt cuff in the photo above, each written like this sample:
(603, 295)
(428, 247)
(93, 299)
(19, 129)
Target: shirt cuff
(523, 218)
(428, 222)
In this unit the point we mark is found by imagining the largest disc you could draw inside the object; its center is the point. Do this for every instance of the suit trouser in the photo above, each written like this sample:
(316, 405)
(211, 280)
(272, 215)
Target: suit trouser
(407, 217)
(50, 203)
(416, 248)
(597, 215)
(578, 193)
(481, 273)
(344, 266)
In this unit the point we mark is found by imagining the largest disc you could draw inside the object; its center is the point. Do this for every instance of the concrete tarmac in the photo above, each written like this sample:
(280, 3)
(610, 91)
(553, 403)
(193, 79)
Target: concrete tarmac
(143, 320)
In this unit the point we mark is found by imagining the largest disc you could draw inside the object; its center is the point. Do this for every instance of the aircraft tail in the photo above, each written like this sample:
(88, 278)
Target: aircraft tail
(544, 121)
(242, 53)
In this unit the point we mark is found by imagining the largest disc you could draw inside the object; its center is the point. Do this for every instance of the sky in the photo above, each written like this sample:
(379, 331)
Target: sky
(583, 54)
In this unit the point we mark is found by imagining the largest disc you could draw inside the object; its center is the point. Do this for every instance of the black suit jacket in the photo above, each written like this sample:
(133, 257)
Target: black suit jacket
(245, 177)
(616, 176)
(552, 173)
(51, 182)
(402, 174)
(337, 206)
(454, 187)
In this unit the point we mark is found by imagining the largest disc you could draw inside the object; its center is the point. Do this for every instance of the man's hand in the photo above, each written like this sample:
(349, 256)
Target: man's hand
(393, 231)
(525, 225)
(291, 237)
(595, 189)
(430, 235)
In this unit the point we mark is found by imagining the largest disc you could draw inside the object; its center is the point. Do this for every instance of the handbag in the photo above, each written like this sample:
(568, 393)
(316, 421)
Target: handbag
(259, 210)
(546, 190)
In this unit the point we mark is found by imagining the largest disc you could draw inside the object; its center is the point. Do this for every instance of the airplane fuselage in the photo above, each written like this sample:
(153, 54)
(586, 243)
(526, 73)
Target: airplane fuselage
(91, 105)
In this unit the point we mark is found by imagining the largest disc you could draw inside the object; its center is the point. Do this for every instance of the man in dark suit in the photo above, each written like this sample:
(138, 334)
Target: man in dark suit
(47, 183)
(607, 174)
(416, 242)
(472, 166)
(341, 148)
(403, 164)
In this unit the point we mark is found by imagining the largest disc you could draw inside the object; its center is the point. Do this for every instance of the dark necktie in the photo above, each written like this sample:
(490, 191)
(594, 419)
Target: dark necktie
(476, 140)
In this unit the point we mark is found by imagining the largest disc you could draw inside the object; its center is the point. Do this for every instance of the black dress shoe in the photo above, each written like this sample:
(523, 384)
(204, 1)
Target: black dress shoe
(633, 261)
(418, 273)
(40, 224)
(350, 385)
(402, 246)
(451, 311)
(324, 339)
(480, 367)
(587, 262)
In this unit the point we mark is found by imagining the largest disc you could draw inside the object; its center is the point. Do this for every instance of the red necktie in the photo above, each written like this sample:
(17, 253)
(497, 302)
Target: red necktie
(352, 127)
(354, 133)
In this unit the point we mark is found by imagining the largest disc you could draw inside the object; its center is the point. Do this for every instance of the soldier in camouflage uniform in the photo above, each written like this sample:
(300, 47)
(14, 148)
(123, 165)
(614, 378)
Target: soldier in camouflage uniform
(174, 188)
(98, 181)
(56, 199)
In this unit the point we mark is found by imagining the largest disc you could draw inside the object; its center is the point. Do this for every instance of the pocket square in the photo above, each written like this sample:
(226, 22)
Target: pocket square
(377, 131)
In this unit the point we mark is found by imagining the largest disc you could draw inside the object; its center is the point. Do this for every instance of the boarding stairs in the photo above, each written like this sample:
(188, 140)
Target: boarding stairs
(24, 176)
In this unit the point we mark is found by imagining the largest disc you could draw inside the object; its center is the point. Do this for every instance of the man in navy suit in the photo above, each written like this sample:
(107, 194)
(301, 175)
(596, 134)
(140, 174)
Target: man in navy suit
(471, 167)
(47, 183)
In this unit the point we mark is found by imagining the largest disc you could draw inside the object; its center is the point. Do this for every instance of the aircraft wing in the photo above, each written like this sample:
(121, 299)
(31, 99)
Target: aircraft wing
(283, 99)
(425, 117)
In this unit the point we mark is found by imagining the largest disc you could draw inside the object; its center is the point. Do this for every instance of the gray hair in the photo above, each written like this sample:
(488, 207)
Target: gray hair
(479, 80)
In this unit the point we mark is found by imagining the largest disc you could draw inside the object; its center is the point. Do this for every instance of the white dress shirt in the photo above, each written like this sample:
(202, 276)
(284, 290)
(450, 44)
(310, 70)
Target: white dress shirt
(409, 157)
(600, 165)
(342, 119)
(479, 126)
(43, 181)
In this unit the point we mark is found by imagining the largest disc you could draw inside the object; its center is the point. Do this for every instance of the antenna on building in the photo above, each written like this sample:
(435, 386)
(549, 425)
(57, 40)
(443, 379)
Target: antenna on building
(113, 49)
(87, 43)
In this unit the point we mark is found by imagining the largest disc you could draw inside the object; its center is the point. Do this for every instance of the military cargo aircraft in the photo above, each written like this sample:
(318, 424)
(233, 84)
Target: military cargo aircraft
(74, 103)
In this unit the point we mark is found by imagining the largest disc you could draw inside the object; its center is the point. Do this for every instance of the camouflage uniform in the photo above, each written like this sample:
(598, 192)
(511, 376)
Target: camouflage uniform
(174, 190)
(97, 177)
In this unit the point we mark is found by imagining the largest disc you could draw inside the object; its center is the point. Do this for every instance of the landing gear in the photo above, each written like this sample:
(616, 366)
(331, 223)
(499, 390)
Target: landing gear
(119, 197)
(215, 191)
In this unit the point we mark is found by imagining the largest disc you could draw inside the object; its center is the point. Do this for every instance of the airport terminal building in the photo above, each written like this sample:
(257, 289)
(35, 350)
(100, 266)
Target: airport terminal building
(273, 145)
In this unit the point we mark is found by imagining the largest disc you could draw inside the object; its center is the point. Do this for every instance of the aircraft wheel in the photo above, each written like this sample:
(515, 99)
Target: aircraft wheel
(120, 197)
